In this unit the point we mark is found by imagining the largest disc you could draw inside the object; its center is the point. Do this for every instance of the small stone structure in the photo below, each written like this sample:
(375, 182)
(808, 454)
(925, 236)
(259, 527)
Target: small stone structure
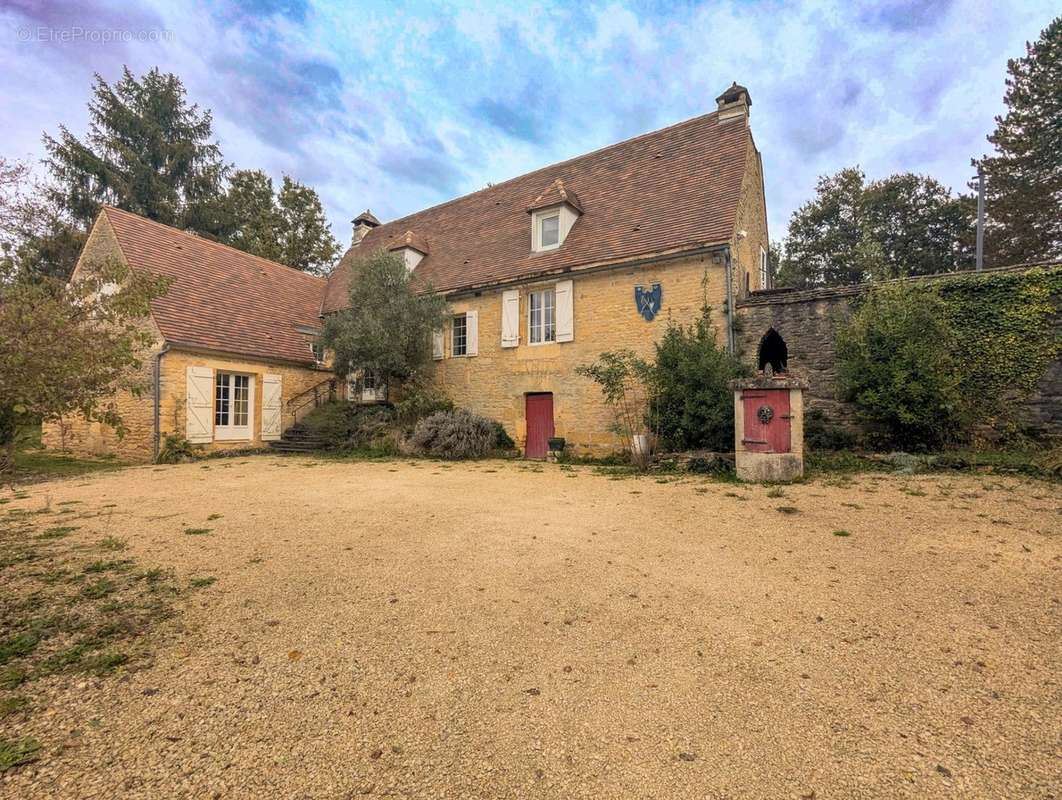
(769, 427)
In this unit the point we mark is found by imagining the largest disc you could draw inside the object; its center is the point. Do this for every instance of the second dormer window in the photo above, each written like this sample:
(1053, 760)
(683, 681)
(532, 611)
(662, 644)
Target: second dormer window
(549, 233)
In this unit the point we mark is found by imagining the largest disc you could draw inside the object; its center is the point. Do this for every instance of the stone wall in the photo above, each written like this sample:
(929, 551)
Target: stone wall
(495, 382)
(807, 321)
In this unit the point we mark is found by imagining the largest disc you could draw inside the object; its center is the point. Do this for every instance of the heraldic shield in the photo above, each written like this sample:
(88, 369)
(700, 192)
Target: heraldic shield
(648, 301)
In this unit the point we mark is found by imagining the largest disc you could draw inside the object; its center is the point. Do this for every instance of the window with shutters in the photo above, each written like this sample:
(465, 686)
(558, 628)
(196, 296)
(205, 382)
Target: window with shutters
(541, 317)
(232, 406)
(459, 343)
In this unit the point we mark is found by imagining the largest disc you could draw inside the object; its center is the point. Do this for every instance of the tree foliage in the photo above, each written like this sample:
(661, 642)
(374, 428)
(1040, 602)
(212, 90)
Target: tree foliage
(67, 348)
(626, 386)
(388, 327)
(854, 231)
(693, 405)
(288, 227)
(1023, 180)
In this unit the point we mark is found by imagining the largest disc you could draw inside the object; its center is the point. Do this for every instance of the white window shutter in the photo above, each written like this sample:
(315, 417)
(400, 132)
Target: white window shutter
(510, 318)
(471, 333)
(437, 345)
(271, 408)
(199, 405)
(565, 311)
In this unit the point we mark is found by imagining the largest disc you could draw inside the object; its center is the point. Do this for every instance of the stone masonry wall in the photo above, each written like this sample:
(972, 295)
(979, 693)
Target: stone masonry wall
(807, 321)
(495, 382)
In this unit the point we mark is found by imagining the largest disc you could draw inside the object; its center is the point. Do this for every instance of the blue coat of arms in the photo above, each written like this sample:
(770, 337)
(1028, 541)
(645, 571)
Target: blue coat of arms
(648, 301)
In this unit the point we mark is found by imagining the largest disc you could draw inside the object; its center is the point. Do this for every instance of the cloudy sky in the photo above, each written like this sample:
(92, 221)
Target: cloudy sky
(396, 106)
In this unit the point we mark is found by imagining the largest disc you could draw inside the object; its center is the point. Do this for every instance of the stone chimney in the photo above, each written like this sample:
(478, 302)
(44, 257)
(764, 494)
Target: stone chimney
(363, 223)
(734, 104)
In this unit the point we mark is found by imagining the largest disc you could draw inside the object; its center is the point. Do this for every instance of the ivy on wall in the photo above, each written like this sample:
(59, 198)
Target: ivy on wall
(1005, 324)
(993, 337)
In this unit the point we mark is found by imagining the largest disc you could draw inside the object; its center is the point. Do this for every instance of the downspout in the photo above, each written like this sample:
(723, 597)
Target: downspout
(729, 272)
(158, 393)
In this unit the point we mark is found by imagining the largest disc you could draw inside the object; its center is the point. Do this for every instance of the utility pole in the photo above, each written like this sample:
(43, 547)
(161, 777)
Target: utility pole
(980, 218)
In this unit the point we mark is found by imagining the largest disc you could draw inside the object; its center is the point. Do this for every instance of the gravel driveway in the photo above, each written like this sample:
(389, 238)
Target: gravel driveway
(504, 630)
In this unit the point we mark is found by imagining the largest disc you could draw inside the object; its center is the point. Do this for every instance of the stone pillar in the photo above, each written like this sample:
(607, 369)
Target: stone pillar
(769, 428)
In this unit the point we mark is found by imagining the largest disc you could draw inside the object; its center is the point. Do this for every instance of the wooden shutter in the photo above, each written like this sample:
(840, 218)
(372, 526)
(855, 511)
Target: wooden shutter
(471, 333)
(510, 318)
(271, 410)
(565, 311)
(437, 345)
(199, 406)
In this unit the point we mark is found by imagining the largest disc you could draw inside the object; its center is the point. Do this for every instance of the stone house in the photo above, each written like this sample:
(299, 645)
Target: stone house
(542, 273)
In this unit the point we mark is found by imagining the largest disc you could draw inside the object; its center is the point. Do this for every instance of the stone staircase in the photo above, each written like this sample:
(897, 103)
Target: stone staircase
(297, 439)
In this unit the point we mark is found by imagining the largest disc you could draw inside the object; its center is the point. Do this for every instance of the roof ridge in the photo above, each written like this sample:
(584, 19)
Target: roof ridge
(203, 240)
(566, 161)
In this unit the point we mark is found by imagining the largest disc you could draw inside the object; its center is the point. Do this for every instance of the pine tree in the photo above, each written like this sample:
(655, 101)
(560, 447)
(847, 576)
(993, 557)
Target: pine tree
(304, 237)
(1023, 180)
(147, 151)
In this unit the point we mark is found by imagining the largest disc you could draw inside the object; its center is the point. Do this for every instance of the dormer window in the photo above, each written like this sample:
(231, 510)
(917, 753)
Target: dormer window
(548, 230)
(553, 213)
(411, 247)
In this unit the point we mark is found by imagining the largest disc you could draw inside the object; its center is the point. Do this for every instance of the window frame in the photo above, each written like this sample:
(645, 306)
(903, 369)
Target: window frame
(552, 307)
(464, 336)
(764, 277)
(227, 430)
(539, 221)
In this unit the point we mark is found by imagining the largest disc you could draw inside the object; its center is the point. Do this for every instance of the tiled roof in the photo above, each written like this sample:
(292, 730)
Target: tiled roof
(221, 298)
(677, 188)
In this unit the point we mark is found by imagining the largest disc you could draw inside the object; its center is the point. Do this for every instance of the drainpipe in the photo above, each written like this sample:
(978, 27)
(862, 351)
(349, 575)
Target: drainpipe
(729, 271)
(158, 392)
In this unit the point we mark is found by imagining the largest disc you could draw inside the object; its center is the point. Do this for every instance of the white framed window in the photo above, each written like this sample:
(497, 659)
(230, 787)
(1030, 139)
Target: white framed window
(542, 316)
(549, 231)
(233, 406)
(459, 342)
(763, 269)
(318, 350)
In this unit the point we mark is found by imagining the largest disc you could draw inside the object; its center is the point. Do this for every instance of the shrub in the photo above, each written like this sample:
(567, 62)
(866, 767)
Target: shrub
(624, 379)
(420, 401)
(819, 434)
(176, 449)
(502, 440)
(347, 426)
(454, 434)
(693, 407)
(896, 362)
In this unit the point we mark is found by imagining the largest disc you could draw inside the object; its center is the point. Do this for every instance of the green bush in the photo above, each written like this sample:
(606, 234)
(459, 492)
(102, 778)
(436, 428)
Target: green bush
(348, 426)
(419, 402)
(502, 440)
(454, 434)
(819, 434)
(897, 363)
(693, 407)
(175, 449)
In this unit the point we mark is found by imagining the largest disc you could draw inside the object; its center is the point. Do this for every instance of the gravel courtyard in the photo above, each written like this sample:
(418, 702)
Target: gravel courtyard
(504, 630)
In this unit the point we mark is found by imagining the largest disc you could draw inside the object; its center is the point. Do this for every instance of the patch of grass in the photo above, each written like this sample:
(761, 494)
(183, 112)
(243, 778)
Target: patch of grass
(108, 566)
(202, 583)
(17, 646)
(112, 543)
(98, 589)
(777, 491)
(103, 663)
(58, 532)
(914, 492)
(198, 531)
(12, 677)
(213, 517)
(16, 752)
(842, 532)
(12, 704)
(788, 509)
(851, 505)
(31, 467)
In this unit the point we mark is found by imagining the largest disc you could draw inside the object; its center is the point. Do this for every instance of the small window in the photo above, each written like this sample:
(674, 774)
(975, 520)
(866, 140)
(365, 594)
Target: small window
(542, 317)
(763, 269)
(318, 350)
(549, 233)
(460, 338)
(232, 401)
(368, 380)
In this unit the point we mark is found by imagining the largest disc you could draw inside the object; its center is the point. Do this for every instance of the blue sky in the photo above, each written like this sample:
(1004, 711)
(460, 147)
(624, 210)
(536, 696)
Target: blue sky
(397, 106)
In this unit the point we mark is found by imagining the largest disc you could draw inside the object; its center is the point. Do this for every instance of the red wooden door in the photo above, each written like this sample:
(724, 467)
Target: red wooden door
(539, 415)
(767, 420)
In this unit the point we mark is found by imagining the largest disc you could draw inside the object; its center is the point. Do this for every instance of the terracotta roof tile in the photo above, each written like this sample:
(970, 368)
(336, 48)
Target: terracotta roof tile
(673, 189)
(221, 298)
(409, 239)
(556, 194)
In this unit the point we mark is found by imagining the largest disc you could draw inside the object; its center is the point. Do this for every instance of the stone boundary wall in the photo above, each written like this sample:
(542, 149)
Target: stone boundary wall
(807, 318)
